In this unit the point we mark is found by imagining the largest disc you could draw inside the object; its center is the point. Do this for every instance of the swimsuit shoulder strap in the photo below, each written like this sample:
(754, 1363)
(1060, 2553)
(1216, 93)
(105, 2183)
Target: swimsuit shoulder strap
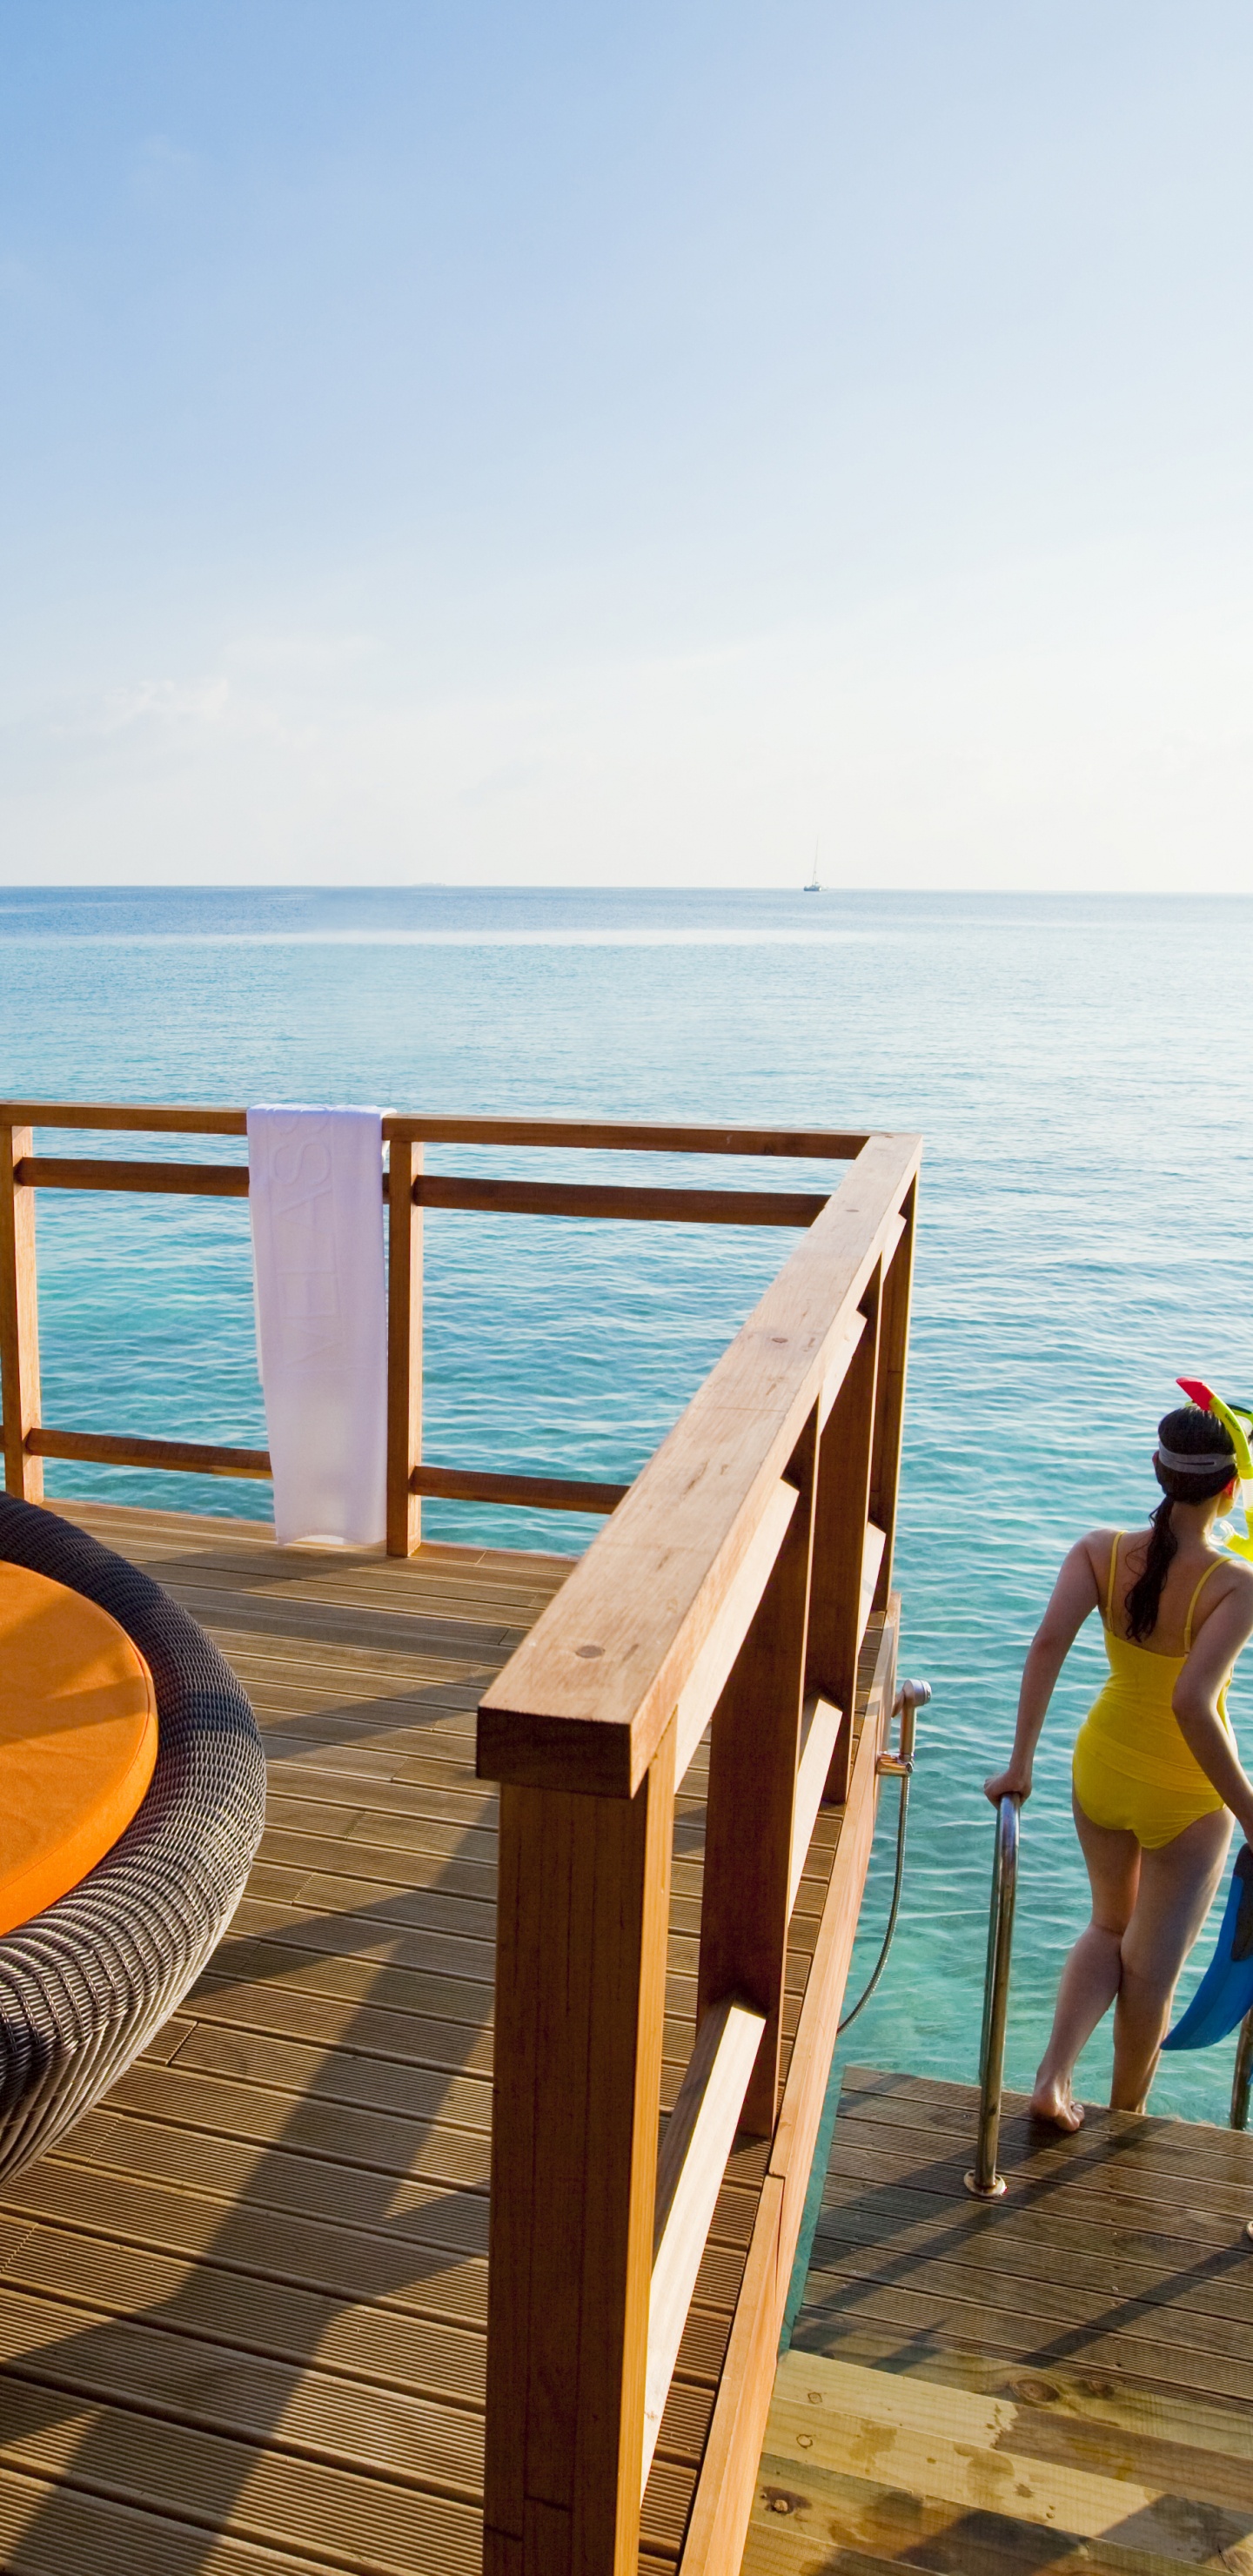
(1187, 1625)
(1109, 1588)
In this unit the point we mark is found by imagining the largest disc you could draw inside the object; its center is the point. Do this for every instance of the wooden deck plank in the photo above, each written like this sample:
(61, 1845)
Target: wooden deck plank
(919, 2222)
(243, 2304)
(229, 2484)
(325, 1856)
(169, 2372)
(883, 2153)
(335, 2072)
(292, 1980)
(388, 1799)
(242, 2311)
(255, 2311)
(46, 2530)
(357, 1920)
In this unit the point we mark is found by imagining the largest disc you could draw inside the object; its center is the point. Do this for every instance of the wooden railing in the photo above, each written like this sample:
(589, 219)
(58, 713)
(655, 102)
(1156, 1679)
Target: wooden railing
(28, 1439)
(736, 1583)
(743, 1579)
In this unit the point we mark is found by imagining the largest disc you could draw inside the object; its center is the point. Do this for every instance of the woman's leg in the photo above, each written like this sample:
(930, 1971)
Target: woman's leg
(1177, 1885)
(1092, 1975)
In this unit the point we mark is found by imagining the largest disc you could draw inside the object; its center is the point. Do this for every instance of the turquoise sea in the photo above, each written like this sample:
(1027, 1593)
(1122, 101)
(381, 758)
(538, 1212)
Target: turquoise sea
(1077, 1069)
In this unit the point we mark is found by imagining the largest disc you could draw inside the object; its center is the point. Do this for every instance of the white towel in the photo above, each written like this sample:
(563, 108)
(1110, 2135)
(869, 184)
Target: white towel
(316, 1202)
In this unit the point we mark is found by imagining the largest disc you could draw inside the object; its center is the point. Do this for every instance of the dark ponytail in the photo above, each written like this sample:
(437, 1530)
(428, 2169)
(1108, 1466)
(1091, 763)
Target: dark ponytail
(1187, 1429)
(1145, 1597)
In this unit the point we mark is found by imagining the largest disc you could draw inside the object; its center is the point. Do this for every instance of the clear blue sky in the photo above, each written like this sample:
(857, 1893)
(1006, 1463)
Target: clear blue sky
(587, 444)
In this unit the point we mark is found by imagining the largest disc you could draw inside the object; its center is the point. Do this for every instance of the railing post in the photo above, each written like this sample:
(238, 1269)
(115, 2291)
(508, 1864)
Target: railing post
(404, 1346)
(751, 1809)
(841, 1514)
(19, 1319)
(580, 2001)
(889, 1411)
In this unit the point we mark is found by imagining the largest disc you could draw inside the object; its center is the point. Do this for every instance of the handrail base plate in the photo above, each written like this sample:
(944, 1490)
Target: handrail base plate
(985, 2190)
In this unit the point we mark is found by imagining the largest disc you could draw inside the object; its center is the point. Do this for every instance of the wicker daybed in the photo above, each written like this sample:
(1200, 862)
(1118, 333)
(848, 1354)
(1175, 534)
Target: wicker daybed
(85, 1983)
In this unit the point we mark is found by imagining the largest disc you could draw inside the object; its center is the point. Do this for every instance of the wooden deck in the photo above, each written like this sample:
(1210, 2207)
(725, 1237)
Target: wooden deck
(242, 2310)
(1060, 2380)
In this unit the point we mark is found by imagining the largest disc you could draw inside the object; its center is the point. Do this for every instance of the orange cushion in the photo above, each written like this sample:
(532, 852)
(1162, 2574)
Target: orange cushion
(78, 1739)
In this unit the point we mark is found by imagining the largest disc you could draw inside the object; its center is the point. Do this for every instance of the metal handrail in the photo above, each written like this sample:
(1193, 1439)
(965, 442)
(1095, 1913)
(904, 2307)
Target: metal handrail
(983, 2179)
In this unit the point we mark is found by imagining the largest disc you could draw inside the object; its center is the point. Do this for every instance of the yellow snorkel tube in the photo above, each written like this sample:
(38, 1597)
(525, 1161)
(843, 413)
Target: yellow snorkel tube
(1229, 1416)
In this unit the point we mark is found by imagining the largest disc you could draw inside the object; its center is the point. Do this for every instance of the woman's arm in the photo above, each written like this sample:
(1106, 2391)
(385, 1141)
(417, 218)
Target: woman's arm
(1075, 1597)
(1228, 1628)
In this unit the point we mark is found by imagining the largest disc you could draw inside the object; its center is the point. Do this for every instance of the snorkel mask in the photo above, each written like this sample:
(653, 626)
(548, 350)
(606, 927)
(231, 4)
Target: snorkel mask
(1228, 1414)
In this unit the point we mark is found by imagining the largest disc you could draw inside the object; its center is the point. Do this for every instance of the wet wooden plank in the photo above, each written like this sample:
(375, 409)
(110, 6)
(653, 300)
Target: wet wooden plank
(850, 2437)
(1060, 2377)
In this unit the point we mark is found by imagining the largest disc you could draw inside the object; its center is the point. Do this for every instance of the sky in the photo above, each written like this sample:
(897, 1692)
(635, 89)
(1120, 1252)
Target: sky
(583, 445)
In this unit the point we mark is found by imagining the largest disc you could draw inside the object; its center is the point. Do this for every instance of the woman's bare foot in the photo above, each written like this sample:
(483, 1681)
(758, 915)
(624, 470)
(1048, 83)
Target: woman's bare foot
(1053, 2100)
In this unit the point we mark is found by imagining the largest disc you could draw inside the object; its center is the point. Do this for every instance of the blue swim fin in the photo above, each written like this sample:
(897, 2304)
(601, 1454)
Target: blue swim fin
(1225, 1992)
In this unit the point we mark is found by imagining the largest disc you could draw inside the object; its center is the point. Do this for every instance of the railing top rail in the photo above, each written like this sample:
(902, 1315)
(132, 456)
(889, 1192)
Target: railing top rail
(817, 1144)
(584, 1702)
(139, 1117)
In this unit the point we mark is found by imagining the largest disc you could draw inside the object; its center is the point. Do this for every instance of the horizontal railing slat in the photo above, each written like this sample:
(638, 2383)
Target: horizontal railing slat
(732, 2449)
(549, 1493)
(125, 1117)
(610, 1199)
(166, 1180)
(872, 1558)
(691, 2167)
(116, 1449)
(820, 1726)
(484, 1196)
(612, 1136)
(816, 1144)
(798, 2115)
(215, 1458)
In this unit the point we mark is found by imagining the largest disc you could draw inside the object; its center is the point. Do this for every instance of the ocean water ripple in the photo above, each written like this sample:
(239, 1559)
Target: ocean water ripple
(1084, 1239)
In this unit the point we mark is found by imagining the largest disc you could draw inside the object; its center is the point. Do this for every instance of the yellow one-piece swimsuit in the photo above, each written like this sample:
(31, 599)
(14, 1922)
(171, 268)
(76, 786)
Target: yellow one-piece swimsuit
(1132, 1770)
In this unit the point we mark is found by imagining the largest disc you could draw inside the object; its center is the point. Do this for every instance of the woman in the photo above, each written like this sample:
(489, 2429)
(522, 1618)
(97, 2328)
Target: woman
(1156, 1779)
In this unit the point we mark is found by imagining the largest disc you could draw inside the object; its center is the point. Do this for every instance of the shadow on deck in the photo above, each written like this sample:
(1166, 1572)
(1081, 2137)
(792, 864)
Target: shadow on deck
(248, 2296)
(243, 2308)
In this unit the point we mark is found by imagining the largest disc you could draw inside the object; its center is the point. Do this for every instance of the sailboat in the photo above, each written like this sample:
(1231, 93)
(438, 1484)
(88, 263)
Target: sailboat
(813, 886)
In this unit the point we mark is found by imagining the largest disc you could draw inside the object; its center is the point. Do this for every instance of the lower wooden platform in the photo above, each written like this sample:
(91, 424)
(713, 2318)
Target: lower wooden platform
(242, 2308)
(1059, 2380)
